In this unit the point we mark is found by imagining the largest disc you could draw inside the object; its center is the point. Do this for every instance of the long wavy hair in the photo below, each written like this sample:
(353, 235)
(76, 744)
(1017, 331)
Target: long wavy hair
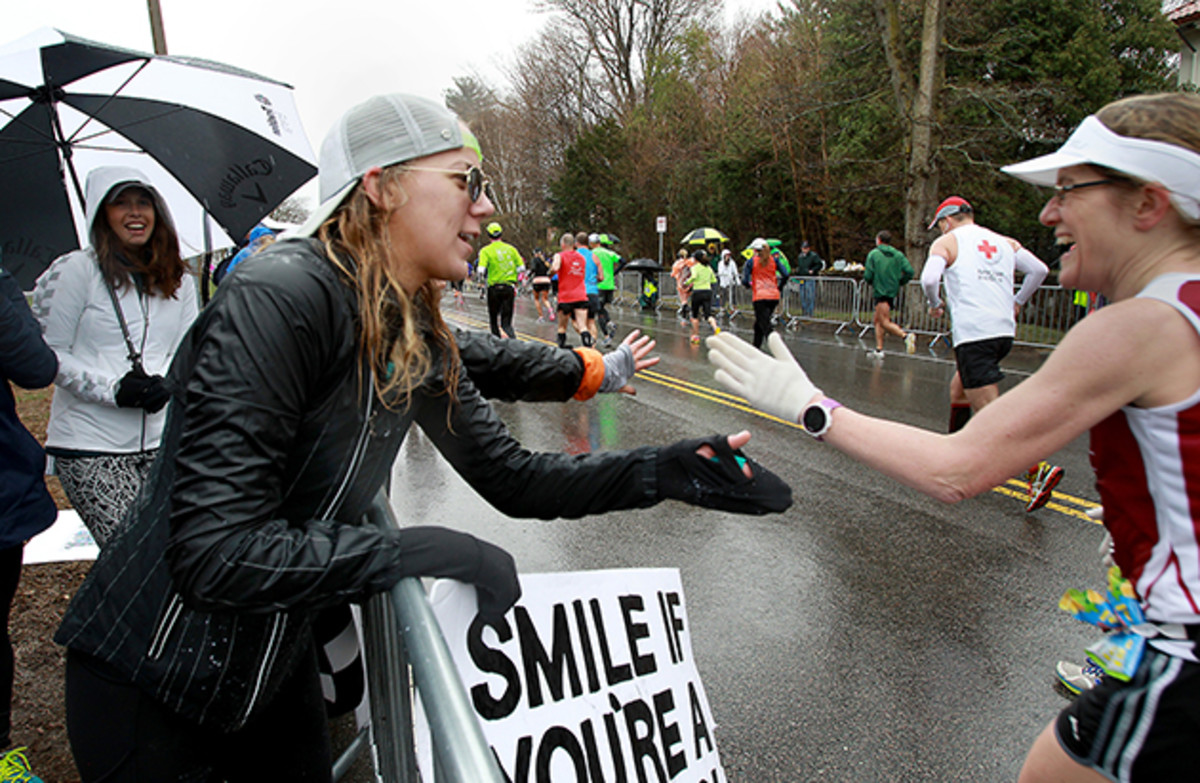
(157, 263)
(396, 330)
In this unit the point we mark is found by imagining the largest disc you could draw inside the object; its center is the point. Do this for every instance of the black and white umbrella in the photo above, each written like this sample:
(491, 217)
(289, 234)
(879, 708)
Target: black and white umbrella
(222, 145)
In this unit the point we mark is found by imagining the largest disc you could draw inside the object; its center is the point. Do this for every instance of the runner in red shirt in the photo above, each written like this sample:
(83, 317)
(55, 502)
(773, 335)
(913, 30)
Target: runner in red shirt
(572, 291)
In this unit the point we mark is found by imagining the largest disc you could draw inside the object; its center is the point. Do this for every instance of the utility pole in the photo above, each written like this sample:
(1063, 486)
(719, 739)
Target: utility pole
(156, 27)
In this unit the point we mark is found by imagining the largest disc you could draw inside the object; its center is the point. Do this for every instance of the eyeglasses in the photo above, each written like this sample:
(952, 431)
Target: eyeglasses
(477, 184)
(1061, 191)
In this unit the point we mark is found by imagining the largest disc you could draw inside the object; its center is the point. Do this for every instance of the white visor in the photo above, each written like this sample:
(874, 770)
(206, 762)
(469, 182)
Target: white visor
(1175, 168)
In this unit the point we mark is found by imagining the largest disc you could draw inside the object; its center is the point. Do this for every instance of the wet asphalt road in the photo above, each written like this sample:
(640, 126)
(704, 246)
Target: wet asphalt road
(867, 634)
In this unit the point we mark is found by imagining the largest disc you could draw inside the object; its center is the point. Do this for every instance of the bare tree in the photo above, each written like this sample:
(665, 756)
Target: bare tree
(630, 38)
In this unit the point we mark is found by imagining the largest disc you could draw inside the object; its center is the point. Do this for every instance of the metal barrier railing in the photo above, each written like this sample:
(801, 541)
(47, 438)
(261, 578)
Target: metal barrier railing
(830, 300)
(845, 303)
(1041, 323)
(400, 634)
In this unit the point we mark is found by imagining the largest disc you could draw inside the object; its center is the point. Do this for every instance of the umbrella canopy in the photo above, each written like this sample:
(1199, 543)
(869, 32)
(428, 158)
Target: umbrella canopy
(643, 265)
(223, 146)
(748, 251)
(702, 236)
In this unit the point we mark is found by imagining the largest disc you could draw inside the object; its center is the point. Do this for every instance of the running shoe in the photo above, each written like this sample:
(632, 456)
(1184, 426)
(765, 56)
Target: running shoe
(910, 343)
(1042, 486)
(14, 768)
(875, 353)
(695, 339)
(1078, 679)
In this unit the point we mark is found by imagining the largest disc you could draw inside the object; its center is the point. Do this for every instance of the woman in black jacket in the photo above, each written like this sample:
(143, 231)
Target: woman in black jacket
(190, 645)
(26, 508)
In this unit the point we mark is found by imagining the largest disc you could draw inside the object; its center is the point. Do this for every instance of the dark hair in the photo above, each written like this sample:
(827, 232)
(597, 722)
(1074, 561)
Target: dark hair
(884, 236)
(700, 255)
(157, 262)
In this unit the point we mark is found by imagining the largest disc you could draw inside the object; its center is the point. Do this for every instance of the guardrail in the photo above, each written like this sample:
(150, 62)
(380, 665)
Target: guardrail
(401, 633)
(830, 300)
(844, 303)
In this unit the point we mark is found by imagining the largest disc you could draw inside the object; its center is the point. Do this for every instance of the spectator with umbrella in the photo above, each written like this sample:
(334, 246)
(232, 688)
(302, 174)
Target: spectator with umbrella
(114, 314)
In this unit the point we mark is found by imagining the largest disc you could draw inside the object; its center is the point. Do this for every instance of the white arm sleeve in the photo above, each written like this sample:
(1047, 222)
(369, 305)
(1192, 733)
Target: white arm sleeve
(931, 279)
(1035, 272)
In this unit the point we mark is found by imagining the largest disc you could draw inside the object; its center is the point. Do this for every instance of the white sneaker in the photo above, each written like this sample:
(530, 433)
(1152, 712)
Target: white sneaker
(875, 354)
(1076, 678)
(910, 343)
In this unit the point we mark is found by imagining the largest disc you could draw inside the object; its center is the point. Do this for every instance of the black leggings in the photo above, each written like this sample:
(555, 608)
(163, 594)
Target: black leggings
(763, 310)
(121, 735)
(500, 308)
(10, 575)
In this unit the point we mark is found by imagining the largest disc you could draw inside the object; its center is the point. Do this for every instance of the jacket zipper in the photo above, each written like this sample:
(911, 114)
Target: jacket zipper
(159, 640)
(280, 619)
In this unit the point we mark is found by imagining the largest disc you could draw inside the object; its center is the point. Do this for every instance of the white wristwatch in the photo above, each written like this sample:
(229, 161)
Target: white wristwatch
(818, 417)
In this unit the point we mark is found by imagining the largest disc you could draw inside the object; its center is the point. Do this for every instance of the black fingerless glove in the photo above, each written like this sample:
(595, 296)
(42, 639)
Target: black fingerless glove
(718, 482)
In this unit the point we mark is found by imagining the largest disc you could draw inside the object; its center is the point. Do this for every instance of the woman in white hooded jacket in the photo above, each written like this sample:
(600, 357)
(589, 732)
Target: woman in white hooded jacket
(114, 313)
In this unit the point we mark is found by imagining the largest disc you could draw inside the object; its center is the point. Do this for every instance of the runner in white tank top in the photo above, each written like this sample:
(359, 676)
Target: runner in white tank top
(978, 265)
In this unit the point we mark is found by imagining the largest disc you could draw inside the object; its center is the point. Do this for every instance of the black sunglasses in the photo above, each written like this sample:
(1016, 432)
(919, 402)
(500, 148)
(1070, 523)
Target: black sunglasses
(1061, 191)
(477, 184)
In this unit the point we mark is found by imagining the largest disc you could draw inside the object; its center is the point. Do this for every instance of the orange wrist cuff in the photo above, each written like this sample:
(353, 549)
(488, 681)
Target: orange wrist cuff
(593, 373)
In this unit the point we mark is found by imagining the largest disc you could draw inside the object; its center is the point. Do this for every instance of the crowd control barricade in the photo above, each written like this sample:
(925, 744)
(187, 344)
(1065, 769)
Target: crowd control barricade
(829, 300)
(1041, 323)
(401, 634)
(1045, 318)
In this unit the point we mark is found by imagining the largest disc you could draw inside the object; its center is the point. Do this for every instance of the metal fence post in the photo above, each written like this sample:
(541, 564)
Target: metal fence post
(461, 751)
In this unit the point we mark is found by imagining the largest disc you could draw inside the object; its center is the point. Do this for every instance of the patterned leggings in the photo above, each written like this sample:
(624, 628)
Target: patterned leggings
(101, 489)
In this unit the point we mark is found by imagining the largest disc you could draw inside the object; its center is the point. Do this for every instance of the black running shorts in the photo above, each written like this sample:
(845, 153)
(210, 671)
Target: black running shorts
(979, 362)
(569, 308)
(1142, 730)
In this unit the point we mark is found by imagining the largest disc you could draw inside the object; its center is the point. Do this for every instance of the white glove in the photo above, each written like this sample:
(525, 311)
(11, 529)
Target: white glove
(778, 386)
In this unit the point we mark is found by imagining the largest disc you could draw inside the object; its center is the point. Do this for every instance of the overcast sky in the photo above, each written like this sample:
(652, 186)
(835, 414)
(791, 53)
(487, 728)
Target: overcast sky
(334, 52)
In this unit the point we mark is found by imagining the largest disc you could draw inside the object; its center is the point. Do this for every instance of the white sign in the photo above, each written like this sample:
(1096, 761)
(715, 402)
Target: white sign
(66, 539)
(662, 224)
(589, 678)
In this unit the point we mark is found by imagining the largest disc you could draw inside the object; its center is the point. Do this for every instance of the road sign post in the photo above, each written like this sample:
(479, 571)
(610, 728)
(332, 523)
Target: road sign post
(662, 229)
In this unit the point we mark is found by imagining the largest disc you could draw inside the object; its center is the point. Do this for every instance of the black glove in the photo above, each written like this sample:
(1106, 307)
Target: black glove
(157, 394)
(496, 584)
(718, 482)
(139, 390)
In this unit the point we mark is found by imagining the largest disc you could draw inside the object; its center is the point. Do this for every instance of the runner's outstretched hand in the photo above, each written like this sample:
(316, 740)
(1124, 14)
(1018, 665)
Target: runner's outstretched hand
(775, 384)
(714, 473)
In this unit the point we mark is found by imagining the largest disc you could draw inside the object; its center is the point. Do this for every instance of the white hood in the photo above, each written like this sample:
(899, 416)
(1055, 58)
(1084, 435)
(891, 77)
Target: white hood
(102, 180)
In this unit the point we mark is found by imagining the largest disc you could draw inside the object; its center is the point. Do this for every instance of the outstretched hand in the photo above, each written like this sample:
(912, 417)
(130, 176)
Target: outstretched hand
(713, 472)
(736, 441)
(631, 357)
(774, 384)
